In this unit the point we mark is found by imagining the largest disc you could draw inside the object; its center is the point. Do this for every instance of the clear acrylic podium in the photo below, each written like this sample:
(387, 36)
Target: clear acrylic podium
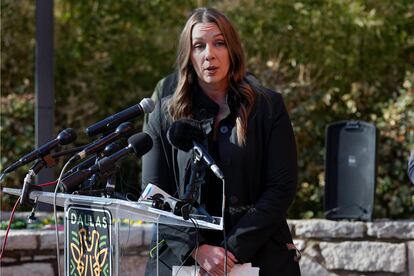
(92, 225)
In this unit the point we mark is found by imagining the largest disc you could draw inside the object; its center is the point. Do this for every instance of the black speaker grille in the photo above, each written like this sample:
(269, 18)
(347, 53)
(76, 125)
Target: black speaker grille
(350, 170)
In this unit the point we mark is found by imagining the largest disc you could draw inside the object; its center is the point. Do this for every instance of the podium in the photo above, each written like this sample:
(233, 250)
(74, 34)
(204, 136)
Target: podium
(92, 225)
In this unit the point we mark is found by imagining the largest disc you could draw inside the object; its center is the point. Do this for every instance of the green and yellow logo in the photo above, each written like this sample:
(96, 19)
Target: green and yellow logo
(88, 242)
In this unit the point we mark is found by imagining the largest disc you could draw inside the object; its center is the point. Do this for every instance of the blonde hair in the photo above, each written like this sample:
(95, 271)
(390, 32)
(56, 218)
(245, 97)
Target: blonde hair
(181, 102)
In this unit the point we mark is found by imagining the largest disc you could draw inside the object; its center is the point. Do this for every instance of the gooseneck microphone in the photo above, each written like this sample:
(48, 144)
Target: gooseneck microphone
(139, 144)
(65, 137)
(145, 106)
(123, 130)
(188, 134)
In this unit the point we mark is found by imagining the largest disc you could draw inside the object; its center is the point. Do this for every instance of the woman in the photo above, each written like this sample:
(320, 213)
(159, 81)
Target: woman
(249, 135)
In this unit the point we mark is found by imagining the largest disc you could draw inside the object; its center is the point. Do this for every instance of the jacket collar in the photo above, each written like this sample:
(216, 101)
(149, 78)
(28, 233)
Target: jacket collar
(204, 107)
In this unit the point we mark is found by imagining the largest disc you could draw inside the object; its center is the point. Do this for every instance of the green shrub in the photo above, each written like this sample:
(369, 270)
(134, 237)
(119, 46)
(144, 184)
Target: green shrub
(332, 60)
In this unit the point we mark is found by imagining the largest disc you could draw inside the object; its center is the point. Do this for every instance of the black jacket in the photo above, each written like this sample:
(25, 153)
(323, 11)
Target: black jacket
(260, 180)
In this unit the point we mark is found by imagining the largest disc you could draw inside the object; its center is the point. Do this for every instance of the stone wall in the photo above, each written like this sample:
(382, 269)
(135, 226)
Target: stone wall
(327, 247)
(355, 248)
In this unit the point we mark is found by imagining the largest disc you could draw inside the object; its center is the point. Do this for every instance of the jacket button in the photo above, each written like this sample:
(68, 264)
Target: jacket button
(224, 129)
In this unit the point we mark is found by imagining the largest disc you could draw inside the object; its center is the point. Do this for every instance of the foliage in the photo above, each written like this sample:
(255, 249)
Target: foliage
(16, 224)
(17, 87)
(48, 222)
(332, 60)
(21, 223)
(338, 60)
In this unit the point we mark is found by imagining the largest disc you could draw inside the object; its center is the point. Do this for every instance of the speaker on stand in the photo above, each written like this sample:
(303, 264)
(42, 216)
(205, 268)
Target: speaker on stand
(350, 170)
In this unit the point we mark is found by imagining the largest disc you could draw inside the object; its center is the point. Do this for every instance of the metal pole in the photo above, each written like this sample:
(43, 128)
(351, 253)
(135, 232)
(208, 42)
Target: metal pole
(44, 111)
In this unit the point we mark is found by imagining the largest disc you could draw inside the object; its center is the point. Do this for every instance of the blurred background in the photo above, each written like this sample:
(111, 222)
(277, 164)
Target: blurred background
(332, 60)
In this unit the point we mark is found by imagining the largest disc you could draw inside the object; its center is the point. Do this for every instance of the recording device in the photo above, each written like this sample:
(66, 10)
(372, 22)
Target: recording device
(64, 137)
(159, 199)
(188, 134)
(139, 144)
(145, 106)
(123, 130)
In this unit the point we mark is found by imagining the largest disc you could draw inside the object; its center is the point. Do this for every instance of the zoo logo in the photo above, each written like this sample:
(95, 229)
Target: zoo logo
(90, 252)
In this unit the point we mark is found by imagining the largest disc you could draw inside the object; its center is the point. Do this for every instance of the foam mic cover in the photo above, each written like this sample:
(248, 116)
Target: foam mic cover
(66, 136)
(182, 133)
(141, 143)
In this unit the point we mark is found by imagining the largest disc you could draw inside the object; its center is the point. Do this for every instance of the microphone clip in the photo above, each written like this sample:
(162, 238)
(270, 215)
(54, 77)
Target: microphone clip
(195, 180)
(27, 183)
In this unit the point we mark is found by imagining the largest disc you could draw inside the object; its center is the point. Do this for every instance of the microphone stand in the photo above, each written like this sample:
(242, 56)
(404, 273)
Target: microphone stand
(47, 161)
(87, 185)
(190, 198)
(27, 183)
(111, 184)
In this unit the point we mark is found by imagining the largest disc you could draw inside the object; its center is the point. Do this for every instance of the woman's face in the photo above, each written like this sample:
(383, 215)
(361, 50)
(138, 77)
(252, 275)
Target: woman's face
(209, 56)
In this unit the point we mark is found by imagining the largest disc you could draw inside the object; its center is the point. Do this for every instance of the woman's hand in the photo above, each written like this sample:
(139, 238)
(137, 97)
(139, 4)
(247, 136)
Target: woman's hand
(212, 259)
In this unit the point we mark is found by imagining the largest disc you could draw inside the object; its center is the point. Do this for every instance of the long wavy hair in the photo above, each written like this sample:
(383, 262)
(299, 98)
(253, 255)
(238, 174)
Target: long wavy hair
(181, 102)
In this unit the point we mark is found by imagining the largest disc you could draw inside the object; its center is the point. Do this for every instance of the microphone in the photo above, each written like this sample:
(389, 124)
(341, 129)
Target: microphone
(145, 106)
(123, 130)
(139, 143)
(187, 134)
(109, 149)
(65, 137)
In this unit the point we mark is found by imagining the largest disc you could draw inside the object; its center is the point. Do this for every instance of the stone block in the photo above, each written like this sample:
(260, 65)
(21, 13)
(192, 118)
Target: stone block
(62, 264)
(391, 229)
(291, 224)
(147, 234)
(20, 239)
(313, 251)
(47, 239)
(46, 258)
(8, 260)
(300, 244)
(410, 256)
(34, 269)
(132, 265)
(364, 256)
(309, 267)
(320, 228)
(136, 236)
(130, 236)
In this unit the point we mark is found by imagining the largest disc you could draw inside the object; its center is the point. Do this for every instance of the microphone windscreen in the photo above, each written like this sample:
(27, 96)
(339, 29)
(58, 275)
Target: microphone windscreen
(66, 136)
(147, 105)
(125, 129)
(182, 133)
(141, 143)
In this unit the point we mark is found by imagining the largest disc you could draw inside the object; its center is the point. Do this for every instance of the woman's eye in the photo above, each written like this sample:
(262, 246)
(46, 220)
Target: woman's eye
(198, 46)
(220, 43)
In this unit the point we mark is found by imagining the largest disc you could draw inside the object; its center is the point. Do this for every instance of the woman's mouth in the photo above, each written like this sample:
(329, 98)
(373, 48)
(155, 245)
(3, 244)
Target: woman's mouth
(211, 70)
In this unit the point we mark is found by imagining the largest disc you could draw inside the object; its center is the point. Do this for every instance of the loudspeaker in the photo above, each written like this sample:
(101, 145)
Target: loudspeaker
(350, 170)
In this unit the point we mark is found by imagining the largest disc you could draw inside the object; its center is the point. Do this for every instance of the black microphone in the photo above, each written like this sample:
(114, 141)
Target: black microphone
(123, 130)
(187, 134)
(65, 137)
(145, 106)
(108, 150)
(139, 143)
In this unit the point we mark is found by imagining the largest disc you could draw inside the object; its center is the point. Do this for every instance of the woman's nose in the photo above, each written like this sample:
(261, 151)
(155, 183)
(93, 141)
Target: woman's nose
(209, 53)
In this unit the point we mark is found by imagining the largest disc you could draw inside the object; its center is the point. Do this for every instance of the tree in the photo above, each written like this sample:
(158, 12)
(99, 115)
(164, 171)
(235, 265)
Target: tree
(332, 60)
